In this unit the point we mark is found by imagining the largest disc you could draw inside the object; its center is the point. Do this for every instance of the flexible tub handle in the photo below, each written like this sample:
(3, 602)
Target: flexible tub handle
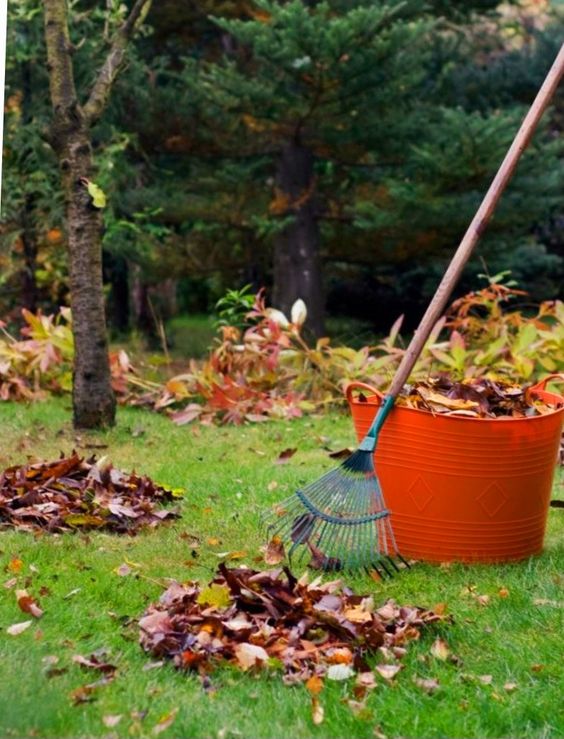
(356, 385)
(540, 386)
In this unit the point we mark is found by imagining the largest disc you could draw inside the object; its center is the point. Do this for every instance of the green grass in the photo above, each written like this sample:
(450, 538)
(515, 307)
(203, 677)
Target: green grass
(226, 481)
(190, 335)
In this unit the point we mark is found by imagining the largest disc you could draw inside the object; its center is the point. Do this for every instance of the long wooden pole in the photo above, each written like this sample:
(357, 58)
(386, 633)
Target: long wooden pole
(478, 224)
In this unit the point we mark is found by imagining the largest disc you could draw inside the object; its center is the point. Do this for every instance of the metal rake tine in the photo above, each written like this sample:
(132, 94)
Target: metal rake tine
(386, 570)
(394, 565)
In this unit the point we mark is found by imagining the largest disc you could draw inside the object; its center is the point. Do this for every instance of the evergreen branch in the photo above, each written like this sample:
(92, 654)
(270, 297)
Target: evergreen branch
(102, 86)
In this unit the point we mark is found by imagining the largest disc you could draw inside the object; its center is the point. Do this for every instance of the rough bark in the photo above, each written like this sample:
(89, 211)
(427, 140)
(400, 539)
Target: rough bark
(27, 215)
(93, 398)
(297, 265)
(29, 244)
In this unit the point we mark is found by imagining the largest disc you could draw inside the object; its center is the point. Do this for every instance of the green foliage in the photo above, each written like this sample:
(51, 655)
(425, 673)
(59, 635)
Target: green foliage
(233, 307)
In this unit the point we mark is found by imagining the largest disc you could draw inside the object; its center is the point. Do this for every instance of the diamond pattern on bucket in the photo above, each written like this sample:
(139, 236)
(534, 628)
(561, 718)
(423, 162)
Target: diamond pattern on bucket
(492, 499)
(421, 494)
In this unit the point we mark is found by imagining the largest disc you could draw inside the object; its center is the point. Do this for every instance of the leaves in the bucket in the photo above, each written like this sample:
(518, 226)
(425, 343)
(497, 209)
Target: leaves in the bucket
(75, 493)
(475, 398)
(270, 619)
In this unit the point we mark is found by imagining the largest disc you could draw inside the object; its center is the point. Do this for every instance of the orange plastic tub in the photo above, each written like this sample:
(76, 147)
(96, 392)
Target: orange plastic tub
(464, 489)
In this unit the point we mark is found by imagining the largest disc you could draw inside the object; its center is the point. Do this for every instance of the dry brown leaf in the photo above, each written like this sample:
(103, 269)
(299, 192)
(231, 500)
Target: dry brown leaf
(274, 551)
(317, 712)
(14, 565)
(112, 720)
(314, 684)
(503, 593)
(27, 604)
(358, 615)
(285, 456)
(388, 672)
(340, 672)
(250, 655)
(510, 687)
(16, 629)
(123, 570)
(429, 685)
(485, 679)
(439, 649)
(164, 722)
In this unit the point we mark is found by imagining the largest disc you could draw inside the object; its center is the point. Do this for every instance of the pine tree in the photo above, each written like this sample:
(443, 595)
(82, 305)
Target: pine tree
(333, 114)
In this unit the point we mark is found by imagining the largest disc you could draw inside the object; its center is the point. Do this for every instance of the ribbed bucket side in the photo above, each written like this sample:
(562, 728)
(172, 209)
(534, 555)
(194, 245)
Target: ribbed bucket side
(465, 489)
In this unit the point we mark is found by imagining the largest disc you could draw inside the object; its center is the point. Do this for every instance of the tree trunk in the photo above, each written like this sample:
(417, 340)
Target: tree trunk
(28, 214)
(116, 272)
(93, 398)
(29, 243)
(297, 265)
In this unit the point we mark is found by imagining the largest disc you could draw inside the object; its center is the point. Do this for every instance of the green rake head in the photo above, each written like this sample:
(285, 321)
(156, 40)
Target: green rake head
(339, 522)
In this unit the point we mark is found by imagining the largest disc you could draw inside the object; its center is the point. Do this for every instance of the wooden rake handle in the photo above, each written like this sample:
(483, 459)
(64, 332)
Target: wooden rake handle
(478, 224)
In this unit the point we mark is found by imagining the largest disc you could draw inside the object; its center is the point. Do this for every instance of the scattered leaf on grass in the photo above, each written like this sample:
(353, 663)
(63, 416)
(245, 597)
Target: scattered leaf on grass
(388, 672)
(341, 453)
(72, 593)
(314, 684)
(123, 570)
(485, 679)
(27, 604)
(93, 663)
(85, 693)
(164, 722)
(317, 712)
(428, 685)
(272, 485)
(274, 551)
(112, 720)
(339, 672)
(15, 564)
(483, 600)
(285, 456)
(510, 687)
(10, 583)
(440, 650)
(16, 629)
(503, 593)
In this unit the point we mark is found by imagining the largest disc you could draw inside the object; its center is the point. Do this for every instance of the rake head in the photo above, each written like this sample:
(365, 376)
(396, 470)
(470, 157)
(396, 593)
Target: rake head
(339, 522)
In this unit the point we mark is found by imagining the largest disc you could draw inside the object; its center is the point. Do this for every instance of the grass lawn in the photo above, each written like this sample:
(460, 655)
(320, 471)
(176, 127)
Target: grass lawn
(515, 639)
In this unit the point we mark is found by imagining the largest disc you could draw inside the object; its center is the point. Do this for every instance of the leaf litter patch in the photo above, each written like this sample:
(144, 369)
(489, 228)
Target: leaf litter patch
(73, 493)
(269, 620)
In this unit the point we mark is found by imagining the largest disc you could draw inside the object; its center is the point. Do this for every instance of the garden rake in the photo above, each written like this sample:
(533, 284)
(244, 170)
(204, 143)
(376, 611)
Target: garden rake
(341, 520)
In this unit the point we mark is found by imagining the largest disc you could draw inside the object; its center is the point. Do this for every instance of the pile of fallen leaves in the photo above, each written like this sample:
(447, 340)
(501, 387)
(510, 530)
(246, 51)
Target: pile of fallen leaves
(75, 493)
(271, 620)
(475, 398)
